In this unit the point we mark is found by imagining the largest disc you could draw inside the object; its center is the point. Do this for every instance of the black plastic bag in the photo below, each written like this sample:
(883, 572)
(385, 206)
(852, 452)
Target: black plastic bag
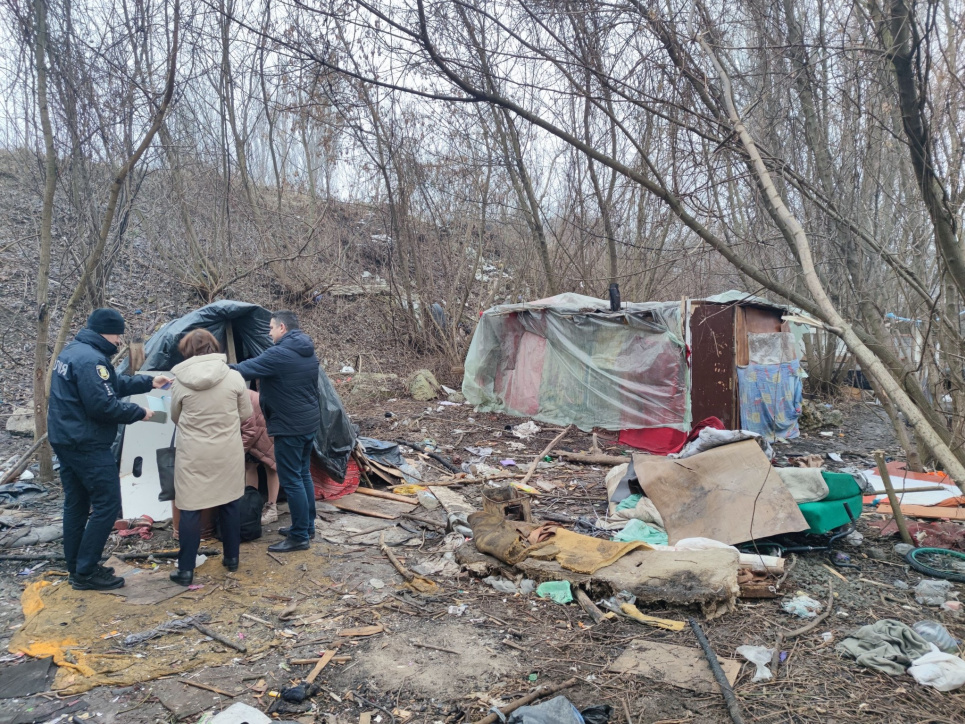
(251, 505)
(599, 714)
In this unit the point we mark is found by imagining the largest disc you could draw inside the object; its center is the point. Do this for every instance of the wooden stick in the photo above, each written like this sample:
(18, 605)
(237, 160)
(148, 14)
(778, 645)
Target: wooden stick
(403, 571)
(322, 663)
(21, 464)
(926, 489)
(259, 620)
(834, 572)
(436, 648)
(309, 662)
(222, 639)
(591, 459)
(216, 690)
(275, 558)
(533, 465)
(528, 699)
(587, 605)
(373, 492)
(892, 498)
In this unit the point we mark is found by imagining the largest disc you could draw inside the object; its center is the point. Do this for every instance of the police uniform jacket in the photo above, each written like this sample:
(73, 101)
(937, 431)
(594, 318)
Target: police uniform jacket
(85, 406)
(288, 374)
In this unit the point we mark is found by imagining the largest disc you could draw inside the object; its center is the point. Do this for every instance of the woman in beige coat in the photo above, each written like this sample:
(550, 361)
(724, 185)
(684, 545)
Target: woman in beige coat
(209, 402)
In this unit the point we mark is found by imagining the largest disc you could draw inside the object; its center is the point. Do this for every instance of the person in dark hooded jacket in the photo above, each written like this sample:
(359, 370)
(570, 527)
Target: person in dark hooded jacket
(288, 387)
(82, 418)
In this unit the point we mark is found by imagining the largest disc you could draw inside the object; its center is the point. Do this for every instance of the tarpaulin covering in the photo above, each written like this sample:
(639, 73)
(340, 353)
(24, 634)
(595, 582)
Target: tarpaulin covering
(770, 399)
(336, 434)
(568, 359)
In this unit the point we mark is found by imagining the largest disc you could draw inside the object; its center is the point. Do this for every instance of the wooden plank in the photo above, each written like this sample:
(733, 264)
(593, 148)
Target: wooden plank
(373, 507)
(322, 663)
(360, 631)
(372, 492)
(230, 350)
(925, 511)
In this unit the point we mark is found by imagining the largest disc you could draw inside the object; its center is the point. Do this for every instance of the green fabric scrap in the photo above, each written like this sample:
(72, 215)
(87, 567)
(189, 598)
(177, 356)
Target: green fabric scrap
(629, 502)
(558, 591)
(637, 530)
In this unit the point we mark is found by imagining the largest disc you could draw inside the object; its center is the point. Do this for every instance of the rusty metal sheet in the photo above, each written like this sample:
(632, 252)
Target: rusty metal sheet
(713, 364)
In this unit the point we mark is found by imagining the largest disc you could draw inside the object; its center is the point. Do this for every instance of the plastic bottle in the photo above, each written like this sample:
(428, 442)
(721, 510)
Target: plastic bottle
(935, 633)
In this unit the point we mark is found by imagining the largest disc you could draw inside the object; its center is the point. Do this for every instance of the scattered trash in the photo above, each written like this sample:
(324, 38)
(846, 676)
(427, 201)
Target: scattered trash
(760, 656)
(623, 603)
(826, 434)
(934, 593)
(835, 457)
(508, 463)
(934, 633)
(504, 585)
(427, 500)
(827, 636)
(939, 670)
(376, 583)
(298, 694)
(241, 714)
(953, 606)
(557, 591)
(458, 610)
(903, 549)
(347, 370)
(525, 430)
(599, 714)
(558, 710)
(854, 538)
(900, 585)
(803, 606)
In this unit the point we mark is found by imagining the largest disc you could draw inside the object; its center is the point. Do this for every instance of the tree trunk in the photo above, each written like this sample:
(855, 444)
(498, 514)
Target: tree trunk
(46, 223)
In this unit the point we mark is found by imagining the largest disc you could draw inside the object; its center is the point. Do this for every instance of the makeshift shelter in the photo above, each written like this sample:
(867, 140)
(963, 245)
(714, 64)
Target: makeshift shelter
(242, 331)
(649, 370)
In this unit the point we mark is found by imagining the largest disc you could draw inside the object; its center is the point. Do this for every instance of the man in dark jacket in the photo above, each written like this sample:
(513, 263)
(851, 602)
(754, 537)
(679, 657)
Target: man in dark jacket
(288, 390)
(82, 419)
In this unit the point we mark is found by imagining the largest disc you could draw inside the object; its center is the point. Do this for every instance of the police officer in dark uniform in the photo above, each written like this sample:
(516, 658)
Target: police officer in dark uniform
(82, 420)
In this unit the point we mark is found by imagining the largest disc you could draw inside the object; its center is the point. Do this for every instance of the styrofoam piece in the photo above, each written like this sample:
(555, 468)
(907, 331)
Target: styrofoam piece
(240, 713)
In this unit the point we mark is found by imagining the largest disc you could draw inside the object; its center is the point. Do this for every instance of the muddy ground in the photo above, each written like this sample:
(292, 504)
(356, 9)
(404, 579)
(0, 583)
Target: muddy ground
(430, 663)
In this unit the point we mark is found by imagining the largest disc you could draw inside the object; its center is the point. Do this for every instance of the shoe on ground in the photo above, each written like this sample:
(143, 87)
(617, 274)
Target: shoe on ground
(182, 578)
(286, 531)
(288, 545)
(230, 563)
(99, 580)
(269, 513)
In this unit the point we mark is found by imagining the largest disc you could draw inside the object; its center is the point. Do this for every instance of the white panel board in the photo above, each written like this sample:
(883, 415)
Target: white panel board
(142, 440)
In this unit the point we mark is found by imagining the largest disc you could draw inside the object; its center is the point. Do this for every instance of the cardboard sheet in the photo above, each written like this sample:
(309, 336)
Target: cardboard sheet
(677, 665)
(730, 494)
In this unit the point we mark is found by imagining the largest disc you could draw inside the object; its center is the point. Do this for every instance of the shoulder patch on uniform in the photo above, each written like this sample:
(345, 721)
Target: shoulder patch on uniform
(103, 372)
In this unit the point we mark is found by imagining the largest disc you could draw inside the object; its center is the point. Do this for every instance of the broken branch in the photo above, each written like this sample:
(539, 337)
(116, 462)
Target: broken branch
(528, 699)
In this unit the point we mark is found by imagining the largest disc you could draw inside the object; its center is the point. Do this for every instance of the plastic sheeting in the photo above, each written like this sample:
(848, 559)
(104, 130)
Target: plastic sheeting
(568, 359)
(336, 434)
(770, 399)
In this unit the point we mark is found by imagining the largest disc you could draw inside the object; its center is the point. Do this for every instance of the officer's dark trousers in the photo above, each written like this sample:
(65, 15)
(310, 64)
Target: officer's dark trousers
(92, 502)
(189, 534)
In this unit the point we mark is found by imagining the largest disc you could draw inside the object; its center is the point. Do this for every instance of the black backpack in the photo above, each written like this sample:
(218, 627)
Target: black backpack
(251, 506)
